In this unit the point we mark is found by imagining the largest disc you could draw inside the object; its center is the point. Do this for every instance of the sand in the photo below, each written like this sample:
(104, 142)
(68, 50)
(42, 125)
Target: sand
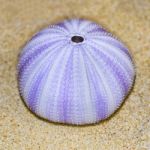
(128, 129)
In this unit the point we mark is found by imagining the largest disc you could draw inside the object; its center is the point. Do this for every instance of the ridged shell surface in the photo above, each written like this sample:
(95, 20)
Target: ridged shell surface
(74, 72)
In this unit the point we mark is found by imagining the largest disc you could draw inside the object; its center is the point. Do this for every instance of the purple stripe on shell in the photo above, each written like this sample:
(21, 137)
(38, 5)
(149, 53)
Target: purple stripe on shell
(100, 100)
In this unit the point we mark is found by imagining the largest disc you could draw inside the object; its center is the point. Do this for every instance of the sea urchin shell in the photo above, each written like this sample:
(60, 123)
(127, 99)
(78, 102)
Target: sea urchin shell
(74, 72)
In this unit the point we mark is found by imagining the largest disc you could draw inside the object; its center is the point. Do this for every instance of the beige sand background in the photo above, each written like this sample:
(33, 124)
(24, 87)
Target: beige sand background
(128, 129)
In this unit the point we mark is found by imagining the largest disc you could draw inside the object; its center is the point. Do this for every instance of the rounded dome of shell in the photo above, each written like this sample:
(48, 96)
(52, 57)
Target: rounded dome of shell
(74, 72)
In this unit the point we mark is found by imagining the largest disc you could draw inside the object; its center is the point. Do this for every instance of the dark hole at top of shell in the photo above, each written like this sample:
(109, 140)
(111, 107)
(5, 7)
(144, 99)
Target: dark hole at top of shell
(77, 39)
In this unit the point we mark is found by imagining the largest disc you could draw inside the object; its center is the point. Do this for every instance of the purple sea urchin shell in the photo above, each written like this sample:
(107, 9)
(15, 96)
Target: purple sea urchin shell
(74, 72)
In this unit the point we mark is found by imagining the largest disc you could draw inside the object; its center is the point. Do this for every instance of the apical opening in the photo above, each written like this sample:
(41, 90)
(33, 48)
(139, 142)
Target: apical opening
(77, 39)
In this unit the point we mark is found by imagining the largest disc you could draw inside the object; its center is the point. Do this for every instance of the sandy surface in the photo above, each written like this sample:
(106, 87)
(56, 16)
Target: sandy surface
(129, 128)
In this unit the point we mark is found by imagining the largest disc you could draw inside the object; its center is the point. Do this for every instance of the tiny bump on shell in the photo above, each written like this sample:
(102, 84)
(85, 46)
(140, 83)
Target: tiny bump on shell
(75, 81)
